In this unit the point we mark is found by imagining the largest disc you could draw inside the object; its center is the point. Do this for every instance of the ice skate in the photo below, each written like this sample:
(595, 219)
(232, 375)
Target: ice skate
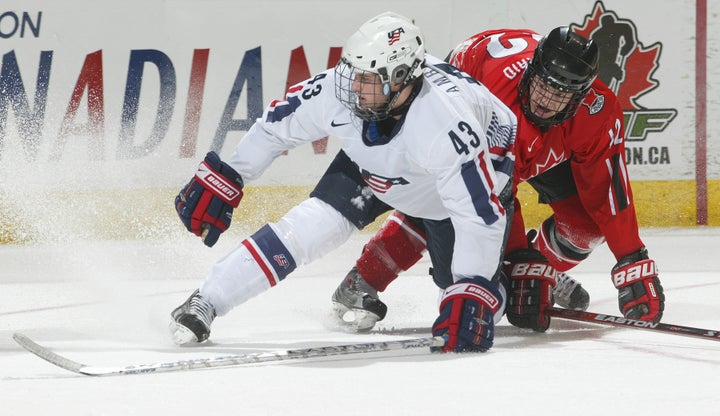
(191, 321)
(356, 303)
(569, 294)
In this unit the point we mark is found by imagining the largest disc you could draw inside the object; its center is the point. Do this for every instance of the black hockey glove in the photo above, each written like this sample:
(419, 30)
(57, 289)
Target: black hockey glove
(532, 280)
(640, 294)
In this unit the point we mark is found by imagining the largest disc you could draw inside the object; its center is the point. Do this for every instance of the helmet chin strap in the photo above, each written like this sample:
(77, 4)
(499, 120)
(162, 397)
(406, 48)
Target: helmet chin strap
(393, 96)
(411, 97)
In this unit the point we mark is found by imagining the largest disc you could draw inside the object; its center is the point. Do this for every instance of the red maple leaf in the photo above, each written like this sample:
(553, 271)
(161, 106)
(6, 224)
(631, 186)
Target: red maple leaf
(639, 66)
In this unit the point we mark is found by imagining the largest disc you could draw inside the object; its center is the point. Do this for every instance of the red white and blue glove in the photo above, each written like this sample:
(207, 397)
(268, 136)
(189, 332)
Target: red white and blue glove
(205, 205)
(532, 280)
(640, 294)
(467, 315)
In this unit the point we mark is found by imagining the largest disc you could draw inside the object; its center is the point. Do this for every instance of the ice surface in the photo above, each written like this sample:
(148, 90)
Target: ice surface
(108, 303)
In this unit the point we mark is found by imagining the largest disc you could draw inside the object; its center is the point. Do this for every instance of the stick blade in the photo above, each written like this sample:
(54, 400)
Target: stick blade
(48, 355)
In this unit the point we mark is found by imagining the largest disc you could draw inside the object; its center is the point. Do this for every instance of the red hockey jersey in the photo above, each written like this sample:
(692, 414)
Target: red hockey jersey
(593, 140)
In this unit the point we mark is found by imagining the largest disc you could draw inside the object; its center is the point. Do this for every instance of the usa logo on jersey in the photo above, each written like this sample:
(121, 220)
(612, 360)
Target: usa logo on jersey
(281, 260)
(381, 184)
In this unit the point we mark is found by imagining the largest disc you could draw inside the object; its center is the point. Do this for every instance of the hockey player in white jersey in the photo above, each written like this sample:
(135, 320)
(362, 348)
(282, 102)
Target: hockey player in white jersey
(417, 135)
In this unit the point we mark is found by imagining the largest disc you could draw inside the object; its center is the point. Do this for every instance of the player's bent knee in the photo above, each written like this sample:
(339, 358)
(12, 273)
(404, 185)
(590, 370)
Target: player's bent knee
(312, 229)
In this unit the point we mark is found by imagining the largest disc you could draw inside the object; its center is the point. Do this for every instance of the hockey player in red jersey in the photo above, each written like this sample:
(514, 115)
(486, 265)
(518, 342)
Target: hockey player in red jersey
(570, 148)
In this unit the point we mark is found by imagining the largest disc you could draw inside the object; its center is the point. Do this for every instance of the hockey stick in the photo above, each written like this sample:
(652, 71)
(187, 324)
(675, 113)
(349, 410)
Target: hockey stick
(598, 318)
(223, 361)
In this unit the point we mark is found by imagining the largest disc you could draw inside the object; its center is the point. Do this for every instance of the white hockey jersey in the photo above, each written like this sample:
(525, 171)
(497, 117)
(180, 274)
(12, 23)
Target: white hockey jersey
(451, 156)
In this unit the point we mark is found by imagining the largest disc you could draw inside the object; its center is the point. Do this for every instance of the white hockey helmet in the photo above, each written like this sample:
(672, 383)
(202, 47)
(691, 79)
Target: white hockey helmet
(389, 45)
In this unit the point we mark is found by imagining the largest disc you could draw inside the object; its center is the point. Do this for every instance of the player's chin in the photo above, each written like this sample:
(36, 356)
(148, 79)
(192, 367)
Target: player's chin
(544, 114)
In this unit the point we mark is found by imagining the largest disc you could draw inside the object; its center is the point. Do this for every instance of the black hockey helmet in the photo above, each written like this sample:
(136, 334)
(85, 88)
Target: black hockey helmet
(565, 61)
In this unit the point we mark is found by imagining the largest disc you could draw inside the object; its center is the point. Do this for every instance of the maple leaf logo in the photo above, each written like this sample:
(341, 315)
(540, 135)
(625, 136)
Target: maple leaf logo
(626, 65)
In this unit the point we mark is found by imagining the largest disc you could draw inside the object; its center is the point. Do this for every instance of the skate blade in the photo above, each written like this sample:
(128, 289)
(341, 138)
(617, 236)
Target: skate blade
(354, 319)
(181, 335)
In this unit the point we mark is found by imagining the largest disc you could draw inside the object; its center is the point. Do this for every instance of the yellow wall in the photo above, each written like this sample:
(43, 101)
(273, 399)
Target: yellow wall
(658, 204)
(132, 214)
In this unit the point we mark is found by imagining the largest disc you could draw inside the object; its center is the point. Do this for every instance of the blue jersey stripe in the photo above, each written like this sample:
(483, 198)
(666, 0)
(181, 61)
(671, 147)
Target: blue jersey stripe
(280, 111)
(506, 166)
(478, 192)
(277, 255)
